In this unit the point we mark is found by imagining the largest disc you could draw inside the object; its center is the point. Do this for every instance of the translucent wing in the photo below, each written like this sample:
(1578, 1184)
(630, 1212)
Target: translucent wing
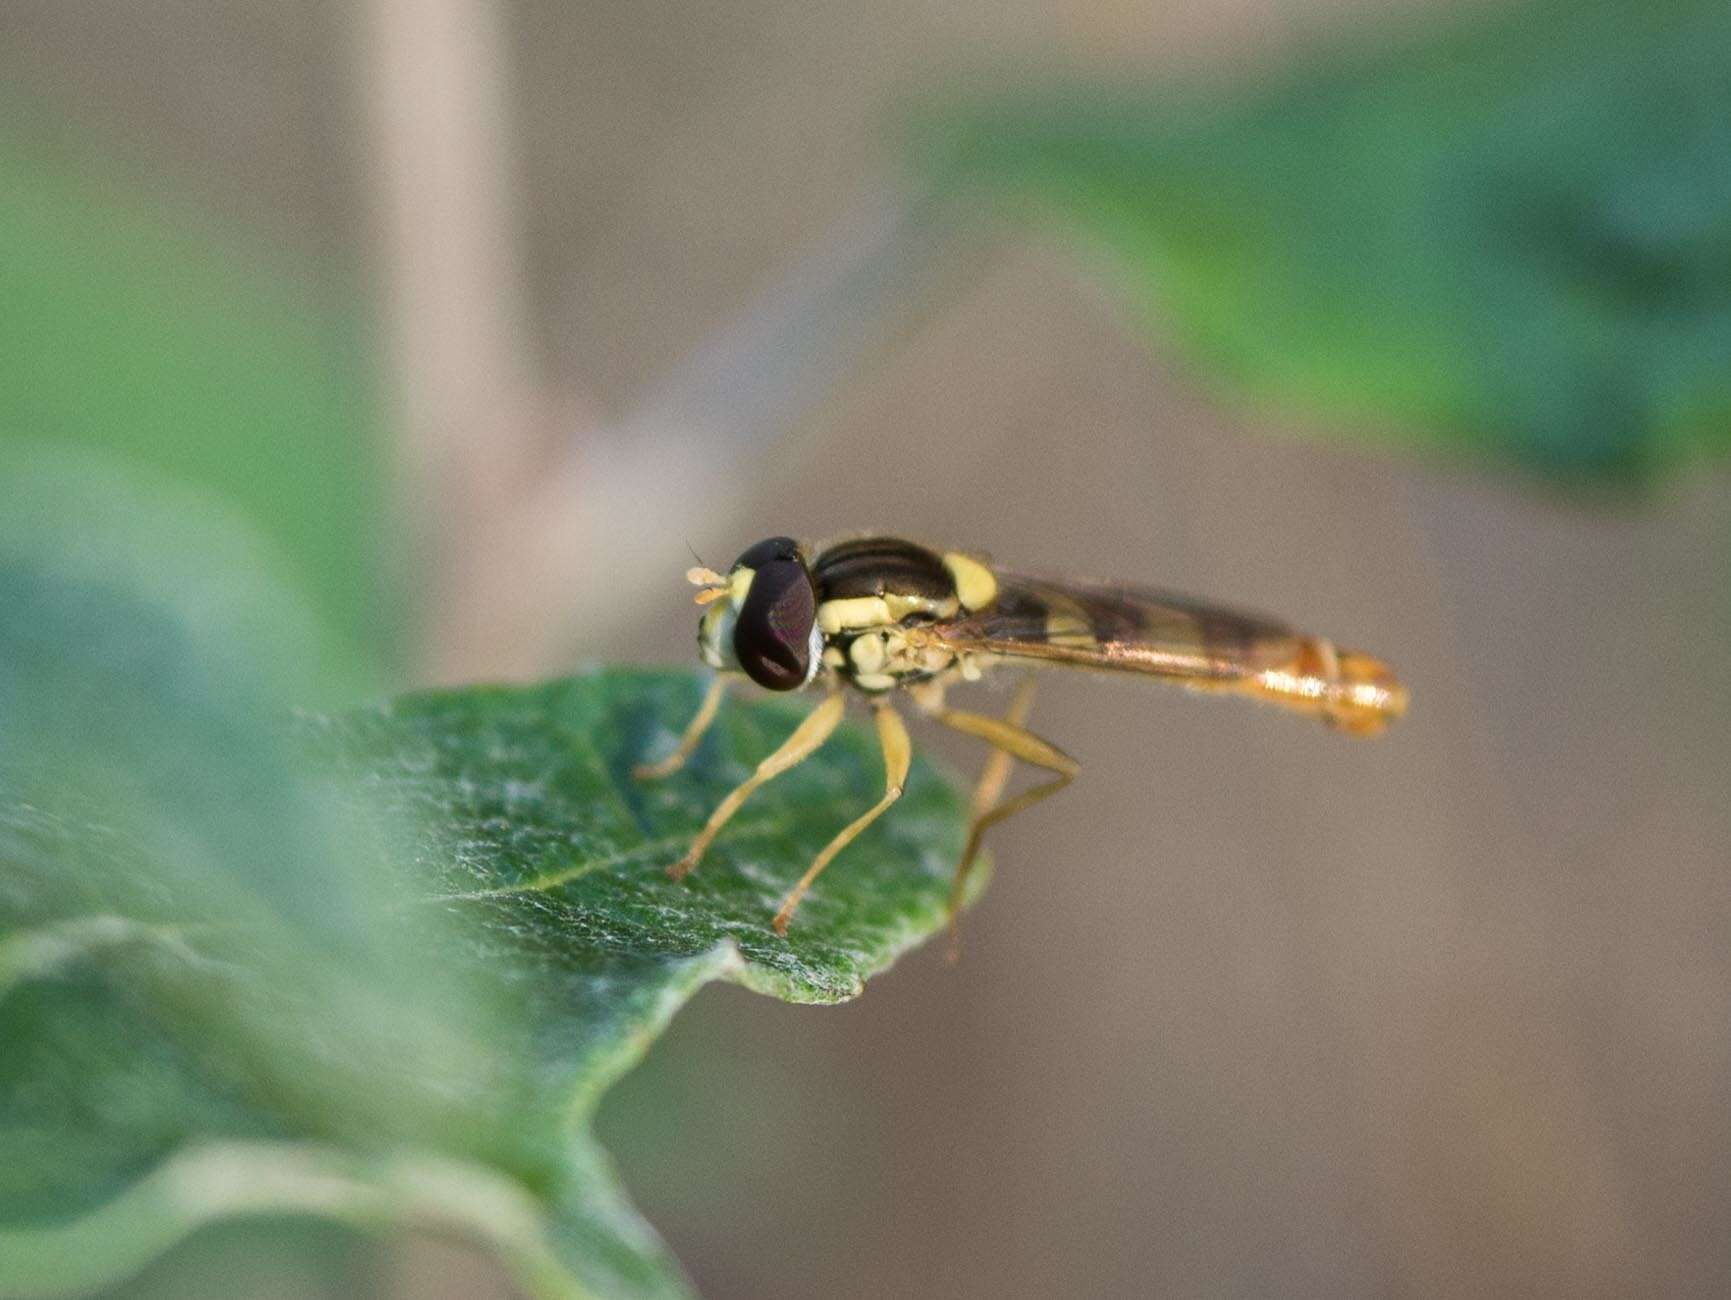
(1120, 628)
(1207, 647)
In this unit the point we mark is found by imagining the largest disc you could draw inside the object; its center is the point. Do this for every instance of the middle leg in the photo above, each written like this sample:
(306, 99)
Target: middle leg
(798, 747)
(893, 740)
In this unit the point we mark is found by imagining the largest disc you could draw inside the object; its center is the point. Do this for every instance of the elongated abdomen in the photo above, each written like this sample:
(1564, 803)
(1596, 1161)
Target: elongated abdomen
(1348, 689)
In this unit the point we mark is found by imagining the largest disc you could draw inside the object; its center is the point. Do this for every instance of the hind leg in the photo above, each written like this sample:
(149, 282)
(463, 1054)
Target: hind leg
(1009, 741)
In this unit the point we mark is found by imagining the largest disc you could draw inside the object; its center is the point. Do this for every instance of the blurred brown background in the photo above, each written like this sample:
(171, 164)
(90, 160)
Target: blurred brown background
(1251, 1009)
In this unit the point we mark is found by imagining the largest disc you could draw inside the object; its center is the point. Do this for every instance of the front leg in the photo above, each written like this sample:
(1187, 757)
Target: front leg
(798, 747)
(688, 741)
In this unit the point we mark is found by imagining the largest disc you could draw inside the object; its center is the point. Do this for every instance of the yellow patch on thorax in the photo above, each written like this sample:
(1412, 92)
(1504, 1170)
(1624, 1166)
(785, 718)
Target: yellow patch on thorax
(976, 587)
(856, 611)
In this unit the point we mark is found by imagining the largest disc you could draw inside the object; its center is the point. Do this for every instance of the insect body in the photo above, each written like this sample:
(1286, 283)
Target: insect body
(892, 619)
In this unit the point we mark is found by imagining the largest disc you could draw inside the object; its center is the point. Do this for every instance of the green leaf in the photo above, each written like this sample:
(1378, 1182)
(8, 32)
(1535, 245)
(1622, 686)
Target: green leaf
(374, 968)
(1509, 236)
(130, 325)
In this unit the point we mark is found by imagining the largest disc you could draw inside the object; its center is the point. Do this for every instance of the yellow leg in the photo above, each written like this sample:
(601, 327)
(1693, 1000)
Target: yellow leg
(693, 733)
(1007, 737)
(893, 738)
(999, 761)
(798, 747)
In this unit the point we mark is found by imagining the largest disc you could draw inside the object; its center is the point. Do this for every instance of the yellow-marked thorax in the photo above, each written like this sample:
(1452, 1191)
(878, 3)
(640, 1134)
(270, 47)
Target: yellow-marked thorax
(873, 591)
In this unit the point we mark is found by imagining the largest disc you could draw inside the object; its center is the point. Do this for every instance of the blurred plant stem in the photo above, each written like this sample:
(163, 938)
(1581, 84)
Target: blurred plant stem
(723, 427)
(462, 400)
(514, 501)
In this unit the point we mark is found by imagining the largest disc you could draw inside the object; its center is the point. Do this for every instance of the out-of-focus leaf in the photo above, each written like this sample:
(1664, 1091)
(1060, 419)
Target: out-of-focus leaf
(128, 326)
(1509, 236)
(374, 968)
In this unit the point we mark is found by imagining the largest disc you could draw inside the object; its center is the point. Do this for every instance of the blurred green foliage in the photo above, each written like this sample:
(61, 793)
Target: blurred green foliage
(128, 323)
(370, 967)
(1508, 236)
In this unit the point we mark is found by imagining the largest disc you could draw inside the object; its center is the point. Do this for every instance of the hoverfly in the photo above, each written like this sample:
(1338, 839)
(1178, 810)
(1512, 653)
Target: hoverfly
(891, 619)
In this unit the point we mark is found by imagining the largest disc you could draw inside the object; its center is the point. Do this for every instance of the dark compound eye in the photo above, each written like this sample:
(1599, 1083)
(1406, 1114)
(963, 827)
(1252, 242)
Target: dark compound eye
(772, 636)
(769, 550)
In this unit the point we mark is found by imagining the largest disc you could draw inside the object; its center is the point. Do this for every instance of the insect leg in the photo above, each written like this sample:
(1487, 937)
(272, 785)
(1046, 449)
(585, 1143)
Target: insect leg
(688, 741)
(798, 747)
(1006, 736)
(893, 739)
(996, 770)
